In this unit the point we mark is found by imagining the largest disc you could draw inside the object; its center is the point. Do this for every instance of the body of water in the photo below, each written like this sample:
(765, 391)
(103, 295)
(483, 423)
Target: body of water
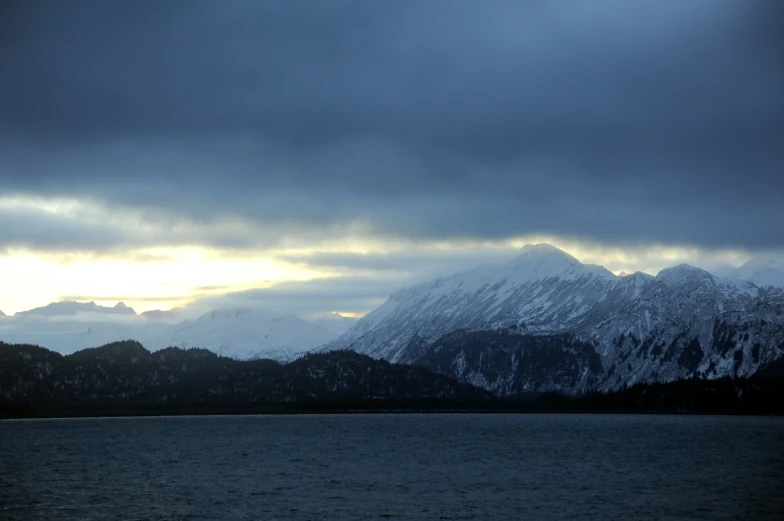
(348, 467)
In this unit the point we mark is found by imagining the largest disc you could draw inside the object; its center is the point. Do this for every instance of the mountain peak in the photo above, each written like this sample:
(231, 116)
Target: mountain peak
(120, 307)
(765, 260)
(762, 270)
(683, 273)
(542, 248)
(538, 261)
(545, 253)
(73, 307)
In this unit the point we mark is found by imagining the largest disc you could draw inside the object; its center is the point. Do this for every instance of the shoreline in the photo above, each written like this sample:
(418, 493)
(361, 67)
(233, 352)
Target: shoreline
(20, 412)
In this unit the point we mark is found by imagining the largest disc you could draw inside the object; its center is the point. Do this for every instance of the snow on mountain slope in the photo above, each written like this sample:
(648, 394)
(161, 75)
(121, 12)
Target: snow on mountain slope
(245, 334)
(763, 270)
(680, 322)
(547, 287)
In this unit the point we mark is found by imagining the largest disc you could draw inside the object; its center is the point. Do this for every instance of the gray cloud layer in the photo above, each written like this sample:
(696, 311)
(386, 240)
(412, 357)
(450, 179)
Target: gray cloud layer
(611, 120)
(314, 297)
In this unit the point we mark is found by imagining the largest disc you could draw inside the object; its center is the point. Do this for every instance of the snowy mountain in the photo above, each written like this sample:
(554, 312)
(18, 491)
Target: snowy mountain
(763, 270)
(682, 322)
(243, 333)
(543, 284)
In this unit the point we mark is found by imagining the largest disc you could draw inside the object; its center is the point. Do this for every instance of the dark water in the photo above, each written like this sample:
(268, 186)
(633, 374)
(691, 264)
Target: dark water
(394, 466)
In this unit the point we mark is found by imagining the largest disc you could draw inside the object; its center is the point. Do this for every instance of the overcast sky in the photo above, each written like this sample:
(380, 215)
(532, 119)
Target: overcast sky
(162, 151)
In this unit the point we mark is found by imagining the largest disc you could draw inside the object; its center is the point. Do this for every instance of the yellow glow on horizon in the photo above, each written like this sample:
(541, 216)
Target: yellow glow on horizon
(350, 314)
(167, 277)
(173, 277)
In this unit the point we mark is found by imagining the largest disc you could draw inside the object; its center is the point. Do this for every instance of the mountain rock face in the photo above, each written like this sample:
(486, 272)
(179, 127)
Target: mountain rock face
(548, 310)
(510, 363)
(125, 373)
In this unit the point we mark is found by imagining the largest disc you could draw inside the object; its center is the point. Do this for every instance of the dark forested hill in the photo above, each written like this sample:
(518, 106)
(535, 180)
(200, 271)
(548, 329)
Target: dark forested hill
(127, 373)
(124, 378)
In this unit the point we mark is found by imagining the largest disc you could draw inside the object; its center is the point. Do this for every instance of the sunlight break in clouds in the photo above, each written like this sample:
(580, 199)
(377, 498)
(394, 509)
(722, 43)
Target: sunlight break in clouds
(162, 278)
(173, 277)
(121, 255)
(82, 249)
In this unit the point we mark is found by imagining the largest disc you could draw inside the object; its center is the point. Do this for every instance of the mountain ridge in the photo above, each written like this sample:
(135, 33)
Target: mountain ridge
(681, 322)
(73, 307)
(543, 289)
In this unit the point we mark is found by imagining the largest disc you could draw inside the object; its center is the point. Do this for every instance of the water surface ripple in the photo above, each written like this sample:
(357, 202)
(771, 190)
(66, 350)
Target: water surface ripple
(359, 467)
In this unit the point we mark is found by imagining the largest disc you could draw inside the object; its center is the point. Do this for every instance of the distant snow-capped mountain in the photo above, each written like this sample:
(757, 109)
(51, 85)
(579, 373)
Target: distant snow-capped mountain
(239, 333)
(684, 321)
(70, 307)
(245, 334)
(763, 270)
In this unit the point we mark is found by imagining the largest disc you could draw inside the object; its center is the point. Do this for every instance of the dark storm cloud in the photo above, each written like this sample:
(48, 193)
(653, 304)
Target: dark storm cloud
(612, 120)
(33, 230)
